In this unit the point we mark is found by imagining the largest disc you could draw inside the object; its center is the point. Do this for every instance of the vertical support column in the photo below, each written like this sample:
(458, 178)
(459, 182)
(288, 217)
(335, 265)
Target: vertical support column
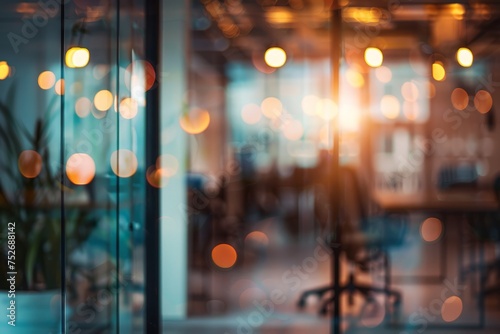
(174, 22)
(152, 291)
(335, 186)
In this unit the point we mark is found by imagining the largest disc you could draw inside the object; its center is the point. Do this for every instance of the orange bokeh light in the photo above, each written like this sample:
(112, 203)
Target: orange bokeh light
(195, 121)
(80, 168)
(30, 163)
(224, 256)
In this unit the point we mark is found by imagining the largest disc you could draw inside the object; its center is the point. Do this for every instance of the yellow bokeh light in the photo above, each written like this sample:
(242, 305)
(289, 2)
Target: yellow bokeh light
(452, 308)
(129, 108)
(83, 106)
(77, 57)
(29, 163)
(4, 70)
(457, 11)
(124, 163)
(80, 57)
(224, 256)
(483, 101)
(46, 80)
(103, 100)
(195, 121)
(69, 56)
(410, 92)
(390, 106)
(374, 57)
(59, 87)
(251, 114)
(431, 229)
(438, 71)
(354, 78)
(271, 107)
(465, 57)
(459, 98)
(383, 74)
(275, 57)
(80, 168)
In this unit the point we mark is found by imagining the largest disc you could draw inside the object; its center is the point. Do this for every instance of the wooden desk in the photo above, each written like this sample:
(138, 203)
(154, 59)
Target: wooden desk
(446, 202)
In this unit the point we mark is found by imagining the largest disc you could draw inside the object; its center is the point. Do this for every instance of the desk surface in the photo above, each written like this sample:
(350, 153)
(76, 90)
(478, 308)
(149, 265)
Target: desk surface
(455, 201)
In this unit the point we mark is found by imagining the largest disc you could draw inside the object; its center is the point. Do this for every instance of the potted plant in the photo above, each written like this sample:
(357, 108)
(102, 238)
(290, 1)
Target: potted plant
(31, 193)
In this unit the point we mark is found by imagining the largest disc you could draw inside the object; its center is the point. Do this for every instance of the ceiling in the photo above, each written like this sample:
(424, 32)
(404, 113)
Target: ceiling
(226, 30)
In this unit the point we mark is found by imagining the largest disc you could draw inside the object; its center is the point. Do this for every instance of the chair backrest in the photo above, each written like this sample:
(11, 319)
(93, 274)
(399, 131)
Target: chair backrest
(383, 230)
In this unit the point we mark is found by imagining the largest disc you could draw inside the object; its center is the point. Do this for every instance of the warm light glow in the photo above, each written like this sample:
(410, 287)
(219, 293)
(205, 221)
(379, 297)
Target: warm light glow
(81, 57)
(59, 87)
(411, 110)
(483, 101)
(271, 107)
(309, 104)
(4, 70)
(195, 121)
(365, 15)
(459, 98)
(46, 80)
(128, 108)
(259, 63)
(354, 78)
(224, 256)
(293, 129)
(156, 177)
(390, 106)
(431, 229)
(77, 57)
(140, 75)
(167, 164)
(465, 57)
(457, 11)
(69, 56)
(349, 119)
(251, 113)
(409, 90)
(30, 163)
(257, 238)
(123, 163)
(83, 106)
(438, 71)
(275, 57)
(451, 309)
(383, 74)
(326, 109)
(103, 100)
(373, 57)
(80, 168)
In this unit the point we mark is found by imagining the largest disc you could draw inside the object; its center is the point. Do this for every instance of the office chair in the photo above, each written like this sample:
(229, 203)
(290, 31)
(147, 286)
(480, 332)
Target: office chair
(487, 229)
(365, 241)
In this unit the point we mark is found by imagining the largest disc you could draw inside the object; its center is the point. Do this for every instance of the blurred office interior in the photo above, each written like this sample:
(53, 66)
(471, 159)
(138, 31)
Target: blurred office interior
(249, 166)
